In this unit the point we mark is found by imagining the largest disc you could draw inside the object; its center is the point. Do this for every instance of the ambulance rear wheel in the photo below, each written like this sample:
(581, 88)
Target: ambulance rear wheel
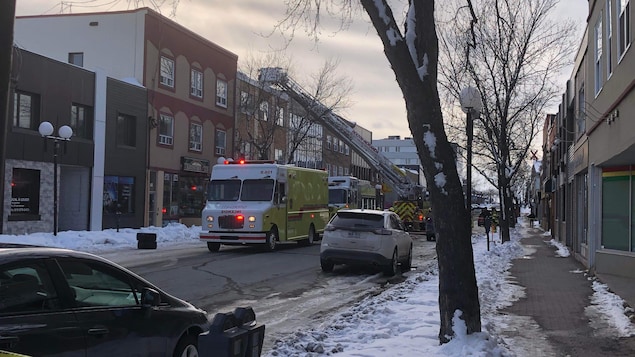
(311, 237)
(272, 239)
(213, 247)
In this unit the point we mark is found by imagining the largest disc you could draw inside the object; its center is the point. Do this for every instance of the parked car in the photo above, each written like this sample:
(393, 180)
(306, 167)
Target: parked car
(366, 237)
(62, 302)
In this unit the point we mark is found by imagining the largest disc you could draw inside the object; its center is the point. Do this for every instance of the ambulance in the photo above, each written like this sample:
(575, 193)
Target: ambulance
(264, 203)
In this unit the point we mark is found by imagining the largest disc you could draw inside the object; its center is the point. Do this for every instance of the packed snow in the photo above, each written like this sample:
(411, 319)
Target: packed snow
(401, 321)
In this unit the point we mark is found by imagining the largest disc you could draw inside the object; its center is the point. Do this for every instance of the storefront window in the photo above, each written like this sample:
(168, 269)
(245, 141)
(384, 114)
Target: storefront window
(25, 195)
(191, 196)
(616, 222)
(118, 194)
(170, 197)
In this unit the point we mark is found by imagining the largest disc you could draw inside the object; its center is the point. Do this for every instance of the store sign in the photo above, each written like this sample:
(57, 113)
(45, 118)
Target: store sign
(195, 165)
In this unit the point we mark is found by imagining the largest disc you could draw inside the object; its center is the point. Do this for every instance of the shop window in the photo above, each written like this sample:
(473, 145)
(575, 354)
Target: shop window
(119, 194)
(26, 110)
(126, 130)
(191, 195)
(25, 195)
(82, 121)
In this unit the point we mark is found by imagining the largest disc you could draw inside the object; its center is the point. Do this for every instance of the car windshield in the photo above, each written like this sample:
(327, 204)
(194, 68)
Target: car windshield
(257, 190)
(337, 195)
(357, 220)
(223, 190)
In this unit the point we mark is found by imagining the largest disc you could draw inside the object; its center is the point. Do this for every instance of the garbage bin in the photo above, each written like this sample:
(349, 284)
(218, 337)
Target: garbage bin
(224, 338)
(146, 241)
(246, 320)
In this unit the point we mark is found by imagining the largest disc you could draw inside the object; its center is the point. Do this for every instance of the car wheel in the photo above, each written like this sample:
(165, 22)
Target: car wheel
(187, 347)
(391, 269)
(310, 239)
(213, 247)
(327, 266)
(407, 264)
(272, 239)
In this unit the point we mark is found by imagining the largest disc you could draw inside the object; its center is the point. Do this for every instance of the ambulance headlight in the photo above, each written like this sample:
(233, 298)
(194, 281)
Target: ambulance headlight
(209, 218)
(252, 219)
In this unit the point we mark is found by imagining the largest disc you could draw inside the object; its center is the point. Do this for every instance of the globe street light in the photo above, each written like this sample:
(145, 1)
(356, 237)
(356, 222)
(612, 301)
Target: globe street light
(471, 103)
(64, 134)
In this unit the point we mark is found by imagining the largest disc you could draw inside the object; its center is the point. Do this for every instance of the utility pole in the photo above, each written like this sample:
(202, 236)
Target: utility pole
(7, 19)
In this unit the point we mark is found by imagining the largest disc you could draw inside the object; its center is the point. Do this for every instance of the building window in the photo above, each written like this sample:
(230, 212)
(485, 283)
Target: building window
(581, 120)
(167, 72)
(25, 195)
(598, 55)
(196, 137)
(609, 39)
(221, 93)
(220, 142)
(166, 130)
(126, 130)
(264, 111)
(26, 110)
(336, 147)
(76, 58)
(277, 153)
(82, 121)
(624, 23)
(197, 84)
(341, 146)
(246, 103)
(280, 116)
(119, 194)
(347, 149)
(329, 142)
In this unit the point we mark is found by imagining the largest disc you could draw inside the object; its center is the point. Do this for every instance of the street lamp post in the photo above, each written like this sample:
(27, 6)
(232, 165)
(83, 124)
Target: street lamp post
(471, 104)
(64, 134)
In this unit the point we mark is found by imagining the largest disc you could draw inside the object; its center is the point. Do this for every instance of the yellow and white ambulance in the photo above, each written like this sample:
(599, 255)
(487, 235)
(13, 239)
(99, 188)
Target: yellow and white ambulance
(261, 202)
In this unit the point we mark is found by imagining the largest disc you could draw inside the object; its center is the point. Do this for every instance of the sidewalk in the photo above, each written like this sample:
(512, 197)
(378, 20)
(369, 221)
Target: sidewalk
(557, 293)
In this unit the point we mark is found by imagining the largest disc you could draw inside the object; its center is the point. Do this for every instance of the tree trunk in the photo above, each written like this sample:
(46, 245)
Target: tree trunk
(458, 291)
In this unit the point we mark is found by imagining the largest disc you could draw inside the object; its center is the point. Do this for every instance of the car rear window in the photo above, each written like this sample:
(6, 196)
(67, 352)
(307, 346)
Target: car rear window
(357, 220)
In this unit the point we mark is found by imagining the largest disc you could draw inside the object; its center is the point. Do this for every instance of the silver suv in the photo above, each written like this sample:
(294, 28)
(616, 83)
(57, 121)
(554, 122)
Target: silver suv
(366, 237)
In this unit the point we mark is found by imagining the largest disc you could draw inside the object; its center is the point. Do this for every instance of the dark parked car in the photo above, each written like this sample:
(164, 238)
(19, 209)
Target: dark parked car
(56, 302)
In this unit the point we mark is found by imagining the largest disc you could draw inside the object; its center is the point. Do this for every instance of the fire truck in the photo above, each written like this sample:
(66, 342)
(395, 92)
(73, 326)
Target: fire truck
(350, 192)
(394, 179)
(264, 203)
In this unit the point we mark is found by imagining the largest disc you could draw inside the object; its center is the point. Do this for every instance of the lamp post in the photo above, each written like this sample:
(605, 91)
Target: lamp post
(471, 103)
(65, 132)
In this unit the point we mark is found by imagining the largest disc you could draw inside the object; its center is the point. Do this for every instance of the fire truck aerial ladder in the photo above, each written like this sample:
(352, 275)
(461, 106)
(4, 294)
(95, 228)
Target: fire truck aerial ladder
(403, 186)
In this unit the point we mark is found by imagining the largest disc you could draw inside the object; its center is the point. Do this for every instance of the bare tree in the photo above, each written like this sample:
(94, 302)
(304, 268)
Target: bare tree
(260, 116)
(326, 87)
(514, 54)
(413, 54)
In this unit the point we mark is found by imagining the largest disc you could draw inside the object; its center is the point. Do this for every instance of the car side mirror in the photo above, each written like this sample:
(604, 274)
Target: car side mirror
(150, 297)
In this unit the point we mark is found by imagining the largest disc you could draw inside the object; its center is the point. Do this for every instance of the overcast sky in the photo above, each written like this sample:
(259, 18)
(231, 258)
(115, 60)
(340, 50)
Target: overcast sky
(239, 25)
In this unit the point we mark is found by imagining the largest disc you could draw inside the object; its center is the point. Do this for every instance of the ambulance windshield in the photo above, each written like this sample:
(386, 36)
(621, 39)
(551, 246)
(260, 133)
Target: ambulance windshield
(223, 190)
(257, 190)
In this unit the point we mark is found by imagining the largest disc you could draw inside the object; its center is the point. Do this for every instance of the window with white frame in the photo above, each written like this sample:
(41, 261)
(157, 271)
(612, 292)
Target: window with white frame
(598, 55)
(346, 171)
(196, 88)
(328, 142)
(278, 155)
(221, 93)
(280, 116)
(167, 72)
(347, 149)
(246, 103)
(196, 137)
(328, 169)
(263, 113)
(220, 142)
(166, 130)
(341, 146)
(336, 147)
(624, 24)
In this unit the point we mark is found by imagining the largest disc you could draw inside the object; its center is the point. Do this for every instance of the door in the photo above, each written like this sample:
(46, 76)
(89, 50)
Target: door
(109, 313)
(74, 198)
